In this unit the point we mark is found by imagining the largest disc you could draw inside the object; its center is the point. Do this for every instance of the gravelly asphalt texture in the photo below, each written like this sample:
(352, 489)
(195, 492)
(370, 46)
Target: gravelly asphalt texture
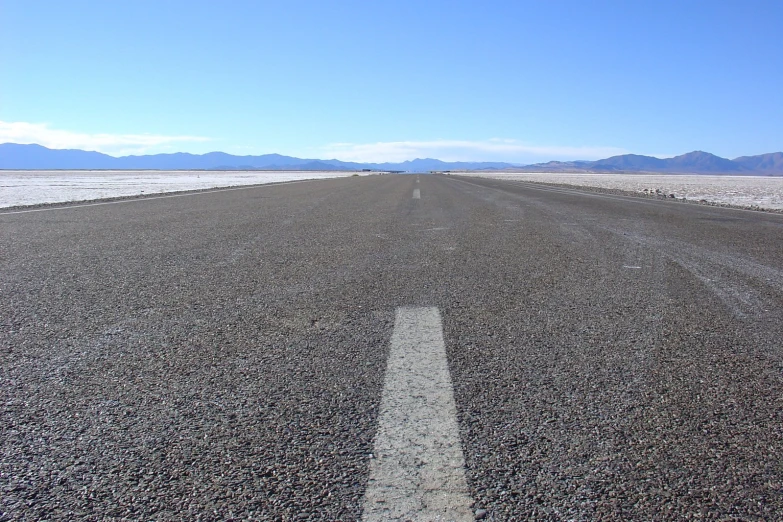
(221, 356)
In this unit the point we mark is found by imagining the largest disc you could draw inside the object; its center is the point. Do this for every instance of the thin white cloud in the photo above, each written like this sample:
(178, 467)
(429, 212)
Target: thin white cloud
(497, 149)
(114, 144)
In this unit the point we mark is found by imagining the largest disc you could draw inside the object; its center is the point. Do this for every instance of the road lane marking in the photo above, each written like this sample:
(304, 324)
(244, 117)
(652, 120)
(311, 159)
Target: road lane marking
(418, 472)
(416, 194)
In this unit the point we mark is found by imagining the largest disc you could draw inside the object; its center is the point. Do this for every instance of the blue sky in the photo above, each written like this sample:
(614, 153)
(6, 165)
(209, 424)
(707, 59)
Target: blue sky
(510, 81)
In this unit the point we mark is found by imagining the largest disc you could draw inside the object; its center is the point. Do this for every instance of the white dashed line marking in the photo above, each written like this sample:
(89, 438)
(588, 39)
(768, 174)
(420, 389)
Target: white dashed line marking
(418, 472)
(416, 194)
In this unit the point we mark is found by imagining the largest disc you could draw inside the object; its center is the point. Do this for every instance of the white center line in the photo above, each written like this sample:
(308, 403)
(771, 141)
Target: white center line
(418, 472)
(416, 194)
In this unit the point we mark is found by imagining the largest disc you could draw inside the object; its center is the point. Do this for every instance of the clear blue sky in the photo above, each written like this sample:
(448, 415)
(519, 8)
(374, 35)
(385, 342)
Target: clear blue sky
(518, 81)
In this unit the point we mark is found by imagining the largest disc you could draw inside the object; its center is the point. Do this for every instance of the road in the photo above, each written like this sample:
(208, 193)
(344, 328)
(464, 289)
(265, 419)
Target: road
(224, 355)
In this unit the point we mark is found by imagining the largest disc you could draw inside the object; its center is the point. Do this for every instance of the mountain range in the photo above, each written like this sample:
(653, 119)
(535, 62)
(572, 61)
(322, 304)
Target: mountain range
(36, 157)
(14, 156)
(697, 162)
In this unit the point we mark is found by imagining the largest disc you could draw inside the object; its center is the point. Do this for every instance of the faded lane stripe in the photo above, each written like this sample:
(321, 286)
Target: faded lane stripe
(416, 194)
(418, 473)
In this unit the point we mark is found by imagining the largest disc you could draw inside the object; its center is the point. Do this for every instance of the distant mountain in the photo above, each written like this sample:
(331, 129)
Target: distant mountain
(629, 162)
(14, 156)
(312, 165)
(427, 164)
(772, 162)
(699, 161)
(36, 157)
(558, 166)
(696, 162)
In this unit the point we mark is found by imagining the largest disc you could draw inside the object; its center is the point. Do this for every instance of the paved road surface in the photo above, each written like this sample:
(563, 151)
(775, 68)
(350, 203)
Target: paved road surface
(223, 356)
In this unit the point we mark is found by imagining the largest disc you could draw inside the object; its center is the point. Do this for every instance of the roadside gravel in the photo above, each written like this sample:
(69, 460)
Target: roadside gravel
(599, 378)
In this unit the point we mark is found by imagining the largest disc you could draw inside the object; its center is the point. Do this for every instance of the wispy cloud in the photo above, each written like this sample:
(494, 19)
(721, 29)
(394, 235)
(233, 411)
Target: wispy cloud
(115, 144)
(512, 151)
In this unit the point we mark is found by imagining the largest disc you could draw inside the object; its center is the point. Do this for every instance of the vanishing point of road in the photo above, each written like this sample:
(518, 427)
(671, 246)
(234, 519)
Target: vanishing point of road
(395, 347)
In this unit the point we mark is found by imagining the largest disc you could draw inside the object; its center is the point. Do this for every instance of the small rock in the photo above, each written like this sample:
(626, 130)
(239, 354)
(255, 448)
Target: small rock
(480, 514)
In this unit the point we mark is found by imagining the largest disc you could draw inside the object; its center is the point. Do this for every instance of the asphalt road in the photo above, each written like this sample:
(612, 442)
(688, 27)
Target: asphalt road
(222, 356)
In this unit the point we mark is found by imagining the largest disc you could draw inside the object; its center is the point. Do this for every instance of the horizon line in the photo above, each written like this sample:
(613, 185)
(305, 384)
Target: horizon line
(510, 163)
